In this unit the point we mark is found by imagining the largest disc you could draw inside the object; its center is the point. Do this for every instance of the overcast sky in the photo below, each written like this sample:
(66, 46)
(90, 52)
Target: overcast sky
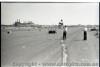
(50, 13)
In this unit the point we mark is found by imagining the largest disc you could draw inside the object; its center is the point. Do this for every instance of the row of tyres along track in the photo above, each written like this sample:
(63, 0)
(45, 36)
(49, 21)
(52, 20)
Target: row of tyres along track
(31, 40)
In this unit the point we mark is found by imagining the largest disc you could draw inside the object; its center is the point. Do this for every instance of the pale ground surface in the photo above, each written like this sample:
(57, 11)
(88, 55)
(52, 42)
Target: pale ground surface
(39, 47)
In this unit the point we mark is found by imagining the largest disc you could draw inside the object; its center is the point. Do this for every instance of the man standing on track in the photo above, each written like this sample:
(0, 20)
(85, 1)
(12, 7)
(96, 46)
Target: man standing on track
(64, 32)
(85, 34)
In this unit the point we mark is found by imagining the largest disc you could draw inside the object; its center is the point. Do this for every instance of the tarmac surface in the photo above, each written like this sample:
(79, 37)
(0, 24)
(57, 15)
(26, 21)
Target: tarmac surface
(39, 47)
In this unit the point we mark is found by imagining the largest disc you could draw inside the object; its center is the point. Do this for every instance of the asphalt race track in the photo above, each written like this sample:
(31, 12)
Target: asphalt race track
(41, 47)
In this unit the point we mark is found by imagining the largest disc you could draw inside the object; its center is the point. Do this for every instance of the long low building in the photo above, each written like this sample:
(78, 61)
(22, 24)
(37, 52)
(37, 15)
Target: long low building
(18, 24)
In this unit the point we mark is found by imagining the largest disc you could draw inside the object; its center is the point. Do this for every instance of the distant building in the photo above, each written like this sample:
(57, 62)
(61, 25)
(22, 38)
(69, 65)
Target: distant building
(19, 24)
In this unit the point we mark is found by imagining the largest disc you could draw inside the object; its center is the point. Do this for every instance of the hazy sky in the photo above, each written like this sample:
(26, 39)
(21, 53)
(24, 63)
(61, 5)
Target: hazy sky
(50, 13)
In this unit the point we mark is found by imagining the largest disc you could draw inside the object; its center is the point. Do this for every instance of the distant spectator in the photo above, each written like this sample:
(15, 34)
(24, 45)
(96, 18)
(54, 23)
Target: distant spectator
(64, 32)
(97, 31)
(85, 33)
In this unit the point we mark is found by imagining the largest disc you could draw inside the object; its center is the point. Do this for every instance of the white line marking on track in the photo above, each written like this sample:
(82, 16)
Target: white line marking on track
(65, 56)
